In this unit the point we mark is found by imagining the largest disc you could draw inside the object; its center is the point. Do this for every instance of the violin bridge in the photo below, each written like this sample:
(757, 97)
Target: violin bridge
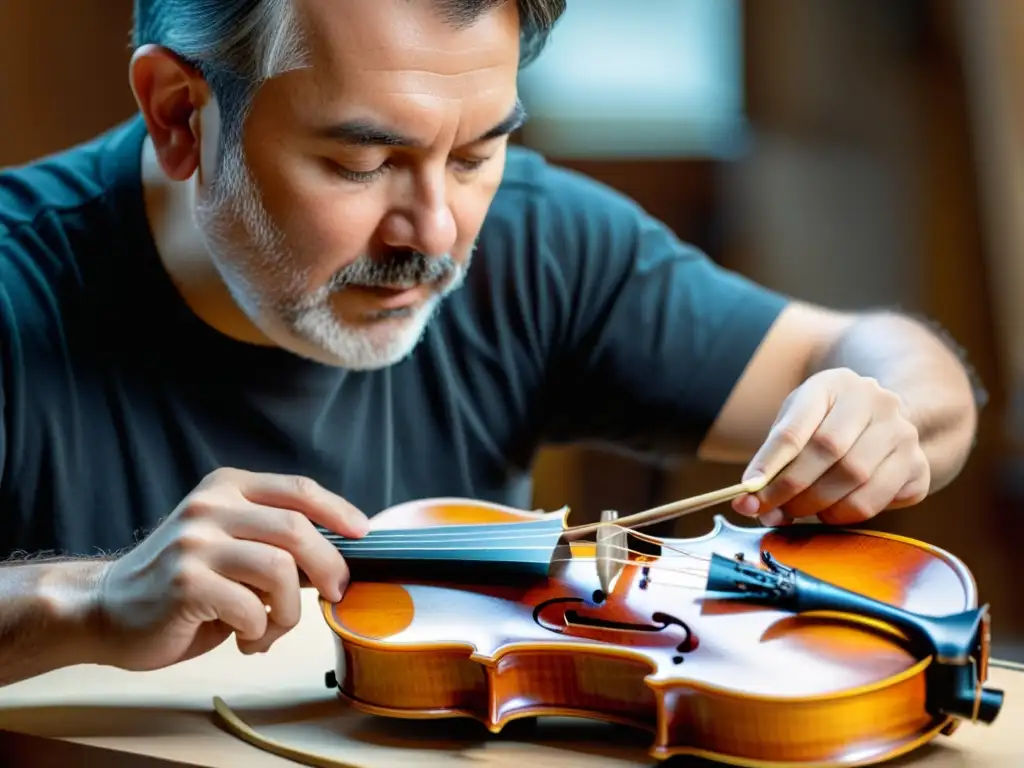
(612, 550)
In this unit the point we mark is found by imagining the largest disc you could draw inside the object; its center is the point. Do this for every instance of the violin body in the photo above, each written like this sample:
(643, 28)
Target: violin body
(735, 681)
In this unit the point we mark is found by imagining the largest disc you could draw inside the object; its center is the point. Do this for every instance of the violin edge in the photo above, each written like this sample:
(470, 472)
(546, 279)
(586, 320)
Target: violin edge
(436, 503)
(489, 711)
(673, 736)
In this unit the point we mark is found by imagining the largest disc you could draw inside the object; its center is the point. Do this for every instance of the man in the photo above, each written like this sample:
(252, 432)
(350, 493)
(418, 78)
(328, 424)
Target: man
(251, 311)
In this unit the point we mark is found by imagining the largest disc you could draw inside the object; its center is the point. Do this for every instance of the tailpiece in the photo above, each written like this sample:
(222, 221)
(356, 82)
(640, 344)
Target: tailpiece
(955, 642)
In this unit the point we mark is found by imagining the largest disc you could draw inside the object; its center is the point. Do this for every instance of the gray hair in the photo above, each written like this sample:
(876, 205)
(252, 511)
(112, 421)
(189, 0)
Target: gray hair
(238, 44)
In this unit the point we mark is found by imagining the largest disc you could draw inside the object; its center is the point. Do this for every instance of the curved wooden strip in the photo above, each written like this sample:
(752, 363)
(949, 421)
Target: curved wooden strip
(239, 728)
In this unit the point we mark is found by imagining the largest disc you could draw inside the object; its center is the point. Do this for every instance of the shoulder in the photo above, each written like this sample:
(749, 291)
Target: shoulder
(560, 235)
(579, 228)
(565, 238)
(67, 188)
(57, 210)
(567, 203)
(591, 261)
(57, 186)
(61, 217)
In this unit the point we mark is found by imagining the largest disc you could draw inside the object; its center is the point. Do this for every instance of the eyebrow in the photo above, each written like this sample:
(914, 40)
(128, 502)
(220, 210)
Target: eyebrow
(365, 133)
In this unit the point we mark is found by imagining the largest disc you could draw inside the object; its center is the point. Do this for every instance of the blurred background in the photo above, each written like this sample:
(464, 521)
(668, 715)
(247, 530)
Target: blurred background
(859, 153)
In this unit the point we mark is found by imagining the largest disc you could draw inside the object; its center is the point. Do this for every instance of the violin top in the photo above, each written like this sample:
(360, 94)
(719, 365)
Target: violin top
(765, 627)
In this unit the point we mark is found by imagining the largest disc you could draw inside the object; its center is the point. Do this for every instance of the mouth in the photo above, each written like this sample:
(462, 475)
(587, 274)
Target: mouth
(392, 297)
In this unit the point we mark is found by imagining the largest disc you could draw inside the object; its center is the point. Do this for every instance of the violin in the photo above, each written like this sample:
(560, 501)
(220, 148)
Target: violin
(803, 645)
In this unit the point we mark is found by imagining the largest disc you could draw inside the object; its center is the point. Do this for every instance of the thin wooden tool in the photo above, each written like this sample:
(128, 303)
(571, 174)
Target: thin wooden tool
(242, 730)
(674, 510)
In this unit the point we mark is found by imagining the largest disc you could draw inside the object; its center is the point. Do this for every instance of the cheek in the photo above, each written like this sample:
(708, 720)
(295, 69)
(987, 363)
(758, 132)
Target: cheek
(472, 204)
(332, 222)
(324, 224)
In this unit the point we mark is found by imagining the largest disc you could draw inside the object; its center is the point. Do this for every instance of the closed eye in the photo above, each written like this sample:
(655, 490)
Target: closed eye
(359, 177)
(463, 165)
(469, 165)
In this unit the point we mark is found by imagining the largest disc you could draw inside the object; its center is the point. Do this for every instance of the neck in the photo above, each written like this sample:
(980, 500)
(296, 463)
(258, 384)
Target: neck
(184, 255)
(502, 551)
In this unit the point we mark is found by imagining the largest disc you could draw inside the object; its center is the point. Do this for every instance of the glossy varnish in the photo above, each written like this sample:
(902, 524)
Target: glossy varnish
(744, 684)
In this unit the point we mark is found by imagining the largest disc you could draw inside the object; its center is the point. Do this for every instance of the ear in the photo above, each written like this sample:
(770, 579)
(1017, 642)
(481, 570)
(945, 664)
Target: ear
(171, 95)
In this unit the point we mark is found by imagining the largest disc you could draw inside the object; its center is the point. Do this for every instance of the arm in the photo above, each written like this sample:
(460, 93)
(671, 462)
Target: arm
(902, 354)
(46, 604)
(657, 350)
(46, 616)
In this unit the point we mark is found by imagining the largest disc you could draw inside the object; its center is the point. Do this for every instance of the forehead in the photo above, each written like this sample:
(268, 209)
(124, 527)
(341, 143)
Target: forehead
(407, 47)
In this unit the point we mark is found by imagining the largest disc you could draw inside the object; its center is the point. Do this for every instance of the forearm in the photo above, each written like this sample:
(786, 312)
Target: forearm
(908, 358)
(46, 615)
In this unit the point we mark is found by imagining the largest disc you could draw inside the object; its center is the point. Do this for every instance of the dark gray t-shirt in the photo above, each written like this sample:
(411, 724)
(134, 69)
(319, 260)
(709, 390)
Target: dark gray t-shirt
(582, 319)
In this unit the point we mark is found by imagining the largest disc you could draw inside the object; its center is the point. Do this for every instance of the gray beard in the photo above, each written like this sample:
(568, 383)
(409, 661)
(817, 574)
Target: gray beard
(252, 258)
(400, 269)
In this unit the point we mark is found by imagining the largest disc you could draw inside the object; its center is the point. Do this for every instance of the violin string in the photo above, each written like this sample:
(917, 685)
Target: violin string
(419, 537)
(416, 542)
(370, 542)
(655, 568)
(677, 553)
(642, 559)
(368, 546)
(667, 563)
(653, 565)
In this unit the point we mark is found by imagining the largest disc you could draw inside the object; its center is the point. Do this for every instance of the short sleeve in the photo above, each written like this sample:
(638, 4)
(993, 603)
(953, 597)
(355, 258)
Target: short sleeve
(654, 335)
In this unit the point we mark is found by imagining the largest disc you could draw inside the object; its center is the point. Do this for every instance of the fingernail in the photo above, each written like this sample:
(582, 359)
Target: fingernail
(747, 505)
(751, 473)
(772, 518)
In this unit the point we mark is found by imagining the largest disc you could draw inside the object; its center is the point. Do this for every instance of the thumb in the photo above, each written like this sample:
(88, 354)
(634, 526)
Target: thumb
(790, 433)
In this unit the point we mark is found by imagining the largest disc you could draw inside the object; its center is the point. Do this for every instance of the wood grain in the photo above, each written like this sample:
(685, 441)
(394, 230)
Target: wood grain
(741, 683)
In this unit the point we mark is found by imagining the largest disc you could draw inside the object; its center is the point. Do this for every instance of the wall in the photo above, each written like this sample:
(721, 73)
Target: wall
(63, 73)
(859, 188)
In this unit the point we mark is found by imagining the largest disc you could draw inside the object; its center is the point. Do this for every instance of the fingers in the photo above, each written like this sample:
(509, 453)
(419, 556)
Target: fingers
(801, 415)
(294, 534)
(206, 596)
(913, 492)
(916, 489)
(302, 494)
(829, 443)
(281, 510)
(867, 500)
(228, 558)
(885, 469)
(842, 449)
(848, 472)
(811, 434)
(272, 573)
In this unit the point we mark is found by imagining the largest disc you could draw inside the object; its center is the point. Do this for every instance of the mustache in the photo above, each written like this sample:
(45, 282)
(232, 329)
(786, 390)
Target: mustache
(406, 267)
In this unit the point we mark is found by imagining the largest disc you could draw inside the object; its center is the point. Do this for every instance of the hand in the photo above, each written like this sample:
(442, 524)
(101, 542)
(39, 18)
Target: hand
(841, 448)
(226, 560)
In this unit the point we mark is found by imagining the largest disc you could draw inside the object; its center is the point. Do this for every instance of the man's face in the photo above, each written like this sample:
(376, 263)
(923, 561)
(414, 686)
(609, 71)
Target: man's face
(352, 207)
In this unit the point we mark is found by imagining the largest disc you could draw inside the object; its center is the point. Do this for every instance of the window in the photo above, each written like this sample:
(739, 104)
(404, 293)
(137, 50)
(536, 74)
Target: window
(640, 78)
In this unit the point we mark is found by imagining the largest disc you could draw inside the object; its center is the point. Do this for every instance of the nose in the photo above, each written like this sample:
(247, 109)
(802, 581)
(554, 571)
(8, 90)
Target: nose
(425, 222)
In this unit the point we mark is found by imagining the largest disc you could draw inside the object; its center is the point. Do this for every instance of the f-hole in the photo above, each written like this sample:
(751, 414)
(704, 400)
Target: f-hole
(574, 618)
